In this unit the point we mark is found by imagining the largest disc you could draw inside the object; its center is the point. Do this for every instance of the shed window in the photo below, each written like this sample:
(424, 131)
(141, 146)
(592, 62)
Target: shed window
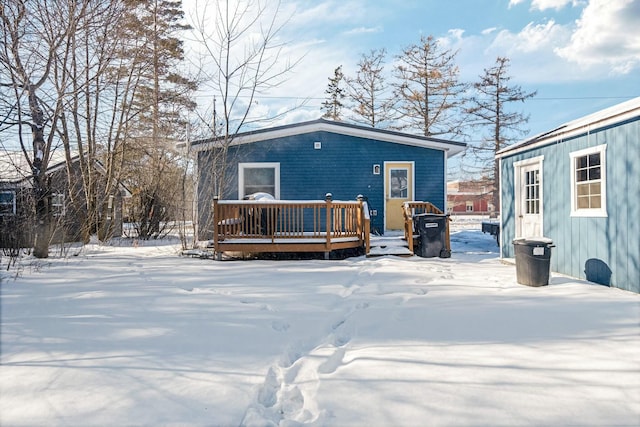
(469, 206)
(259, 178)
(7, 202)
(588, 182)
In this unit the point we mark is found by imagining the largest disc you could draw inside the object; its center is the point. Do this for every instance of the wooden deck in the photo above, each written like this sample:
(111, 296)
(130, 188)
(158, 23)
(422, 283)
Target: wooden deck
(277, 226)
(280, 226)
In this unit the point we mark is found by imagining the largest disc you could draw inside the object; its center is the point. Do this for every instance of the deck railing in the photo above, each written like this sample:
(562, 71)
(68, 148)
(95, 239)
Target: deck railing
(290, 226)
(409, 210)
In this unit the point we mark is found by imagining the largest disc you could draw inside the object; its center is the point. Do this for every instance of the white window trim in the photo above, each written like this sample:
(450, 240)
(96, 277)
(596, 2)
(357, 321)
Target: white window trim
(110, 207)
(599, 212)
(63, 208)
(13, 211)
(243, 166)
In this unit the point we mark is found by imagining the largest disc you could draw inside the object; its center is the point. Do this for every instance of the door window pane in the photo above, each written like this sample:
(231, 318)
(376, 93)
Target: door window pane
(532, 191)
(399, 179)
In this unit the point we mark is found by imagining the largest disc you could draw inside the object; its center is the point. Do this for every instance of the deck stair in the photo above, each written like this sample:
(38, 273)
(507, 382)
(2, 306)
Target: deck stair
(389, 245)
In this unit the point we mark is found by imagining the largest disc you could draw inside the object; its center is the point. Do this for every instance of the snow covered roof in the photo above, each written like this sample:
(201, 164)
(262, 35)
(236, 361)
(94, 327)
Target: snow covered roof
(607, 117)
(14, 166)
(322, 125)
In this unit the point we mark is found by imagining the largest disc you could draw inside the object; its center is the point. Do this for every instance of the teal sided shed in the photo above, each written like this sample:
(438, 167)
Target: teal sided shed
(579, 184)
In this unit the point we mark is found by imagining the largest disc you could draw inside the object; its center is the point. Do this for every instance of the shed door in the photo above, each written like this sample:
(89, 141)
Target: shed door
(398, 187)
(529, 199)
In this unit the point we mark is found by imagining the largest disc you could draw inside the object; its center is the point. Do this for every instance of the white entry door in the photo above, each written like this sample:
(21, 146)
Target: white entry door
(529, 198)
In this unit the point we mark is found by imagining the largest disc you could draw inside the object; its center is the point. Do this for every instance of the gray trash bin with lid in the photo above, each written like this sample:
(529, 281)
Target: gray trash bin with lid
(432, 231)
(533, 260)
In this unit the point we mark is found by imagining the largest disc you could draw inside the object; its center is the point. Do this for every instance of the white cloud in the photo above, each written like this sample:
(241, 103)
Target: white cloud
(606, 35)
(532, 38)
(545, 4)
(363, 30)
(531, 51)
(488, 31)
(598, 45)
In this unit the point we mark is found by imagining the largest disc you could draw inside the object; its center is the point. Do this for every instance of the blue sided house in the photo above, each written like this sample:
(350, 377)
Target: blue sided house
(307, 160)
(579, 184)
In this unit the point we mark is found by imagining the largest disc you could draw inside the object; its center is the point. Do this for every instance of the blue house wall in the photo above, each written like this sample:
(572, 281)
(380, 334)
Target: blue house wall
(611, 242)
(342, 166)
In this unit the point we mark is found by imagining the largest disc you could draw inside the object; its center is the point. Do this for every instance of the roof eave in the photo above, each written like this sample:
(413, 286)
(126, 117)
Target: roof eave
(450, 147)
(584, 125)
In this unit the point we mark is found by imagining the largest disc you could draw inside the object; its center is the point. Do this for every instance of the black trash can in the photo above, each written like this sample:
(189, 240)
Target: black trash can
(432, 231)
(533, 260)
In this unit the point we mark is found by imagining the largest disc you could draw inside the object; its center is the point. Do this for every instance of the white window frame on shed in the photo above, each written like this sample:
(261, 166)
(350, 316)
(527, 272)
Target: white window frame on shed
(601, 181)
(242, 167)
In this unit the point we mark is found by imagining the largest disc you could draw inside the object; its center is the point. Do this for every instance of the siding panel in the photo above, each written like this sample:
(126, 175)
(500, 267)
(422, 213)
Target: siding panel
(614, 240)
(342, 166)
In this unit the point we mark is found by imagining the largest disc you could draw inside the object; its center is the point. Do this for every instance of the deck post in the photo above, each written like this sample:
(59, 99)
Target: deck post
(328, 198)
(360, 199)
(214, 208)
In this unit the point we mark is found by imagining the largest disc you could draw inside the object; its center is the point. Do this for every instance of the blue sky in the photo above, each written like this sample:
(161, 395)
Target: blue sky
(580, 55)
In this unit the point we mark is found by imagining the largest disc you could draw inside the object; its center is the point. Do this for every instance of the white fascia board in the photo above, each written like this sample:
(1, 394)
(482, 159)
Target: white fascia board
(607, 117)
(325, 126)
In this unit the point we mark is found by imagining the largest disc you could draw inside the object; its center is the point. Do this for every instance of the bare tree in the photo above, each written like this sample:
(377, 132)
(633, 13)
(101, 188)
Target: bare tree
(489, 107)
(34, 36)
(89, 77)
(336, 94)
(428, 89)
(243, 58)
(368, 91)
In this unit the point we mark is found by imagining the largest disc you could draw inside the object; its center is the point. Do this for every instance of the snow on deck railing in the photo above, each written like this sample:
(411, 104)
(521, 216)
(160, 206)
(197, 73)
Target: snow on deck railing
(340, 224)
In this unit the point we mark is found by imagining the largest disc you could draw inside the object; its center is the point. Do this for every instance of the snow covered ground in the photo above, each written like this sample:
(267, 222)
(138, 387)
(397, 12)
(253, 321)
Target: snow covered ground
(140, 336)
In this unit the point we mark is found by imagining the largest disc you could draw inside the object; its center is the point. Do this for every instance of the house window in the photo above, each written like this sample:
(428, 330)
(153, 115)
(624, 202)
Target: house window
(7, 202)
(469, 206)
(57, 204)
(259, 178)
(110, 206)
(588, 182)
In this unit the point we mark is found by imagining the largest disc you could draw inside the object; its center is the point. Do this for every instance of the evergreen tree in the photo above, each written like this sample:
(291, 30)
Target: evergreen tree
(489, 107)
(333, 104)
(161, 101)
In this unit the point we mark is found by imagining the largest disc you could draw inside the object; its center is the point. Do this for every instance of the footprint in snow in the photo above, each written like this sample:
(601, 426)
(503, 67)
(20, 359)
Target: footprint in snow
(268, 394)
(280, 326)
(334, 361)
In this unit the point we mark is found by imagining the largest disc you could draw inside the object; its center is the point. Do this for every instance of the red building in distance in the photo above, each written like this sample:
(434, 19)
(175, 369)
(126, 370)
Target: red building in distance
(470, 198)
